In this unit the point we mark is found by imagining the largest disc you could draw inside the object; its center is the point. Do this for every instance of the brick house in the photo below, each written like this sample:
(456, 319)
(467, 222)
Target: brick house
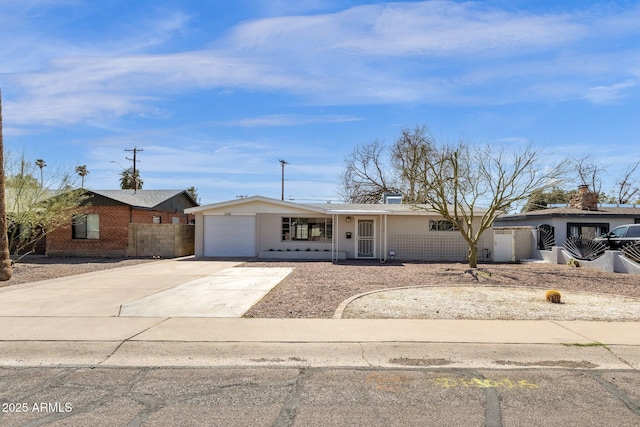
(102, 227)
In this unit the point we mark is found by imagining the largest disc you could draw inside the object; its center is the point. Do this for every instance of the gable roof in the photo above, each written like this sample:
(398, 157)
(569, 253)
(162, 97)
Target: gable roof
(146, 199)
(254, 199)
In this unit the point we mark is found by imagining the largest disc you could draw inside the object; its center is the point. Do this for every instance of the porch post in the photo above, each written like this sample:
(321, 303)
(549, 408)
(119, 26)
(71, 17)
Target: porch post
(381, 240)
(334, 237)
(386, 235)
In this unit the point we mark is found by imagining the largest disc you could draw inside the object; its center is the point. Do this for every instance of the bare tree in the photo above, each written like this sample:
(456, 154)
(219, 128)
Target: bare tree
(366, 177)
(5, 257)
(626, 187)
(458, 179)
(589, 173)
(408, 154)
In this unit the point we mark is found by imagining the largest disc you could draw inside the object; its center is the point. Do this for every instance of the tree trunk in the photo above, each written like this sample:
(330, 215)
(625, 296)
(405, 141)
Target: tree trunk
(5, 257)
(473, 256)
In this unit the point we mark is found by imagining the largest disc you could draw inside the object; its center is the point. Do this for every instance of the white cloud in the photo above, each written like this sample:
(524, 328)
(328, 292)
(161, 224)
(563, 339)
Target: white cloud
(611, 93)
(399, 29)
(418, 52)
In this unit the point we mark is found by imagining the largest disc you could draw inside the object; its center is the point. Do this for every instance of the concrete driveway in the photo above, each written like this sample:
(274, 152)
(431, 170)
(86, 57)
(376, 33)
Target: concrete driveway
(225, 293)
(169, 288)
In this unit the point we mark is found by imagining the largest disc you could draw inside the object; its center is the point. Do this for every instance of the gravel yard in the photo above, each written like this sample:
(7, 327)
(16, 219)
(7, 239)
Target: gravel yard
(316, 289)
(35, 268)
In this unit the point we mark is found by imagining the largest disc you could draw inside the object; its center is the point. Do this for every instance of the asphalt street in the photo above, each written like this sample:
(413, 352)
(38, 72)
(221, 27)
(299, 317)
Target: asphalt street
(327, 396)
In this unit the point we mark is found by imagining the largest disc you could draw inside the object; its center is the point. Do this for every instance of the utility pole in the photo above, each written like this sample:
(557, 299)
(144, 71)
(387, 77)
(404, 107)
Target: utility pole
(282, 162)
(135, 151)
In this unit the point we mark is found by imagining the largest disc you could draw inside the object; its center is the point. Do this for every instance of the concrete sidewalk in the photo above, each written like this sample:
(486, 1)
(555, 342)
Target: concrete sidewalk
(75, 322)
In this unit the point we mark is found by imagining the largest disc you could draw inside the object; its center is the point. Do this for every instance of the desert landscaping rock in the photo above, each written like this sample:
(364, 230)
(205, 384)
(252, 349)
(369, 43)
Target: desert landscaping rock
(489, 303)
(316, 289)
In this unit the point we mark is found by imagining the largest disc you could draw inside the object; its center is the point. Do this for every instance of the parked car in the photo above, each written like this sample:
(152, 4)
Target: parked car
(620, 236)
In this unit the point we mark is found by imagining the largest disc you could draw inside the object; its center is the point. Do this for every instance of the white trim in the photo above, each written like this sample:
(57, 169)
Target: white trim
(251, 199)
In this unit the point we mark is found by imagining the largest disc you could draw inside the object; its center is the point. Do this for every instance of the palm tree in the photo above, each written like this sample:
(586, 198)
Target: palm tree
(41, 164)
(130, 180)
(5, 257)
(82, 171)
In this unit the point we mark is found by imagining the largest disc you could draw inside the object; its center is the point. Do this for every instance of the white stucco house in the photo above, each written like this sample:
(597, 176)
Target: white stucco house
(262, 227)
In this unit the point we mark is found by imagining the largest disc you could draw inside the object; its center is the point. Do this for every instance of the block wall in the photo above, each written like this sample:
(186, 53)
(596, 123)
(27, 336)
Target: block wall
(163, 240)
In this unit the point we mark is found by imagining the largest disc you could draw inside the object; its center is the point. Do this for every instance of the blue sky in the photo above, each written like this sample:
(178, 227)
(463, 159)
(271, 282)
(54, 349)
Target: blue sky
(216, 92)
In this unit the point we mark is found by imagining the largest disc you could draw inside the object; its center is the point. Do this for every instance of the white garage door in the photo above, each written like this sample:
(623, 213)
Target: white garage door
(230, 236)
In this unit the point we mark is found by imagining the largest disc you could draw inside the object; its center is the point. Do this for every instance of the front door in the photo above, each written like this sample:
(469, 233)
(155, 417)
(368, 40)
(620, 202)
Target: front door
(366, 239)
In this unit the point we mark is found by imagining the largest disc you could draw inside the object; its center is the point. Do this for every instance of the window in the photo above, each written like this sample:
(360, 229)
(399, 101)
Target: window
(157, 219)
(441, 225)
(309, 229)
(589, 230)
(633, 232)
(86, 226)
(619, 232)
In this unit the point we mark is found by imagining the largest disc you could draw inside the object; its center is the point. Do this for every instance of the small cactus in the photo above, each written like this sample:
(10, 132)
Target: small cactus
(553, 296)
(573, 263)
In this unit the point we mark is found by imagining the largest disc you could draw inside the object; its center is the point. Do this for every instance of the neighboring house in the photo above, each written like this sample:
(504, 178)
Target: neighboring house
(268, 228)
(103, 226)
(583, 217)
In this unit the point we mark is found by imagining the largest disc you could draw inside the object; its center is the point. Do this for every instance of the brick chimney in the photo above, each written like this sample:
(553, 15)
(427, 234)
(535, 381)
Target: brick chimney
(584, 200)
